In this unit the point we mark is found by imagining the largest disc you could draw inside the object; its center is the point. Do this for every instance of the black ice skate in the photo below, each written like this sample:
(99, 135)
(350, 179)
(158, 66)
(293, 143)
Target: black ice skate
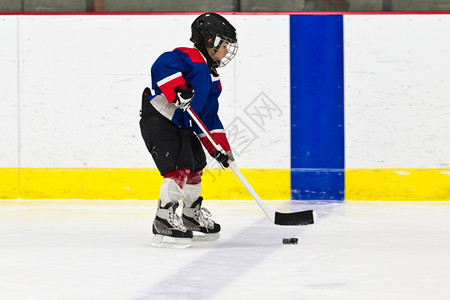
(199, 220)
(168, 228)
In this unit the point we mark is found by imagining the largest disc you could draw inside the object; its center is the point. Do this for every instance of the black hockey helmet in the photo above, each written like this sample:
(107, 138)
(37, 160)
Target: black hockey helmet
(211, 30)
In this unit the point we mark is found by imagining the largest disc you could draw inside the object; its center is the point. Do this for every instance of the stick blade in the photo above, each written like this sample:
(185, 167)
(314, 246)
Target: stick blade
(305, 217)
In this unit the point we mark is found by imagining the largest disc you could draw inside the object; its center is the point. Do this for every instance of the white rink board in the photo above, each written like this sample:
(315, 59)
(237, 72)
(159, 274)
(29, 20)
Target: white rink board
(82, 76)
(80, 80)
(9, 131)
(261, 112)
(397, 91)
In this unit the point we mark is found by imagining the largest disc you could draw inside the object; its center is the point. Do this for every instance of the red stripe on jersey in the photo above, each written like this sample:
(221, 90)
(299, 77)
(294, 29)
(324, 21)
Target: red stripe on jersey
(218, 137)
(168, 88)
(193, 54)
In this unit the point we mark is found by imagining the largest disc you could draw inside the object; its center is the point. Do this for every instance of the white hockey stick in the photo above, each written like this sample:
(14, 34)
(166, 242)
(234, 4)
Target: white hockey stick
(295, 218)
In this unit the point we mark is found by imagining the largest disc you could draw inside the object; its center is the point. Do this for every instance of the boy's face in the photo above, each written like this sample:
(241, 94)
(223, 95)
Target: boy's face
(221, 52)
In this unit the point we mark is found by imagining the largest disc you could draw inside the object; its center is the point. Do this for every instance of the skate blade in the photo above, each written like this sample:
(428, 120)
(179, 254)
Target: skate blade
(201, 237)
(162, 241)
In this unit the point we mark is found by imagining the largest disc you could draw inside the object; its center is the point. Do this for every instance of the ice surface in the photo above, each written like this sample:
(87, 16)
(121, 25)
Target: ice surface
(91, 249)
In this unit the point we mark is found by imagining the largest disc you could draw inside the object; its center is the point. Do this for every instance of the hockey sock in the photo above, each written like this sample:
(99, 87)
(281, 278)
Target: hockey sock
(169, 192)
(192, 189)
(171, 188)
(191, 192)
(180, 176)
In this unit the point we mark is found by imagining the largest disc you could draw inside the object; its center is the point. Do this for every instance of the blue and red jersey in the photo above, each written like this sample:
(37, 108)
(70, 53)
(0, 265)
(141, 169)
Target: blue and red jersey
(187, 65)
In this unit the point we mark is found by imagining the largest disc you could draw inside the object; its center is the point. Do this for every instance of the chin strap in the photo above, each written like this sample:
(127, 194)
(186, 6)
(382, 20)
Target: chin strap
(212, 64)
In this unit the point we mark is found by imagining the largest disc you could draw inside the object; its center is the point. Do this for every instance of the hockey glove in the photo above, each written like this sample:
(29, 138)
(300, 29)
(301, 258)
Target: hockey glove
(184, 96)
(223, 157)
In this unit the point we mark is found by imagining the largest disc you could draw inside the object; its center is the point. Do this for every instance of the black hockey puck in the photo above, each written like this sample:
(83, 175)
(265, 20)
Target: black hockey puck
(290, 241)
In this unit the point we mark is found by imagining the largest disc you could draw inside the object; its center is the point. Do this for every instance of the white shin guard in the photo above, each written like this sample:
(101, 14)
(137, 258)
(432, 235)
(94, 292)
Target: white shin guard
(191, 192)
(169, 192)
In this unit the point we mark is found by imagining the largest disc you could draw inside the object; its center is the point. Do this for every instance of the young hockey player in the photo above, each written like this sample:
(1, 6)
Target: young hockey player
(182, 78)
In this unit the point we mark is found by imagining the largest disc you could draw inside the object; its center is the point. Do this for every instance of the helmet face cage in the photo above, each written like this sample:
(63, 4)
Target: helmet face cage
(230, 52)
